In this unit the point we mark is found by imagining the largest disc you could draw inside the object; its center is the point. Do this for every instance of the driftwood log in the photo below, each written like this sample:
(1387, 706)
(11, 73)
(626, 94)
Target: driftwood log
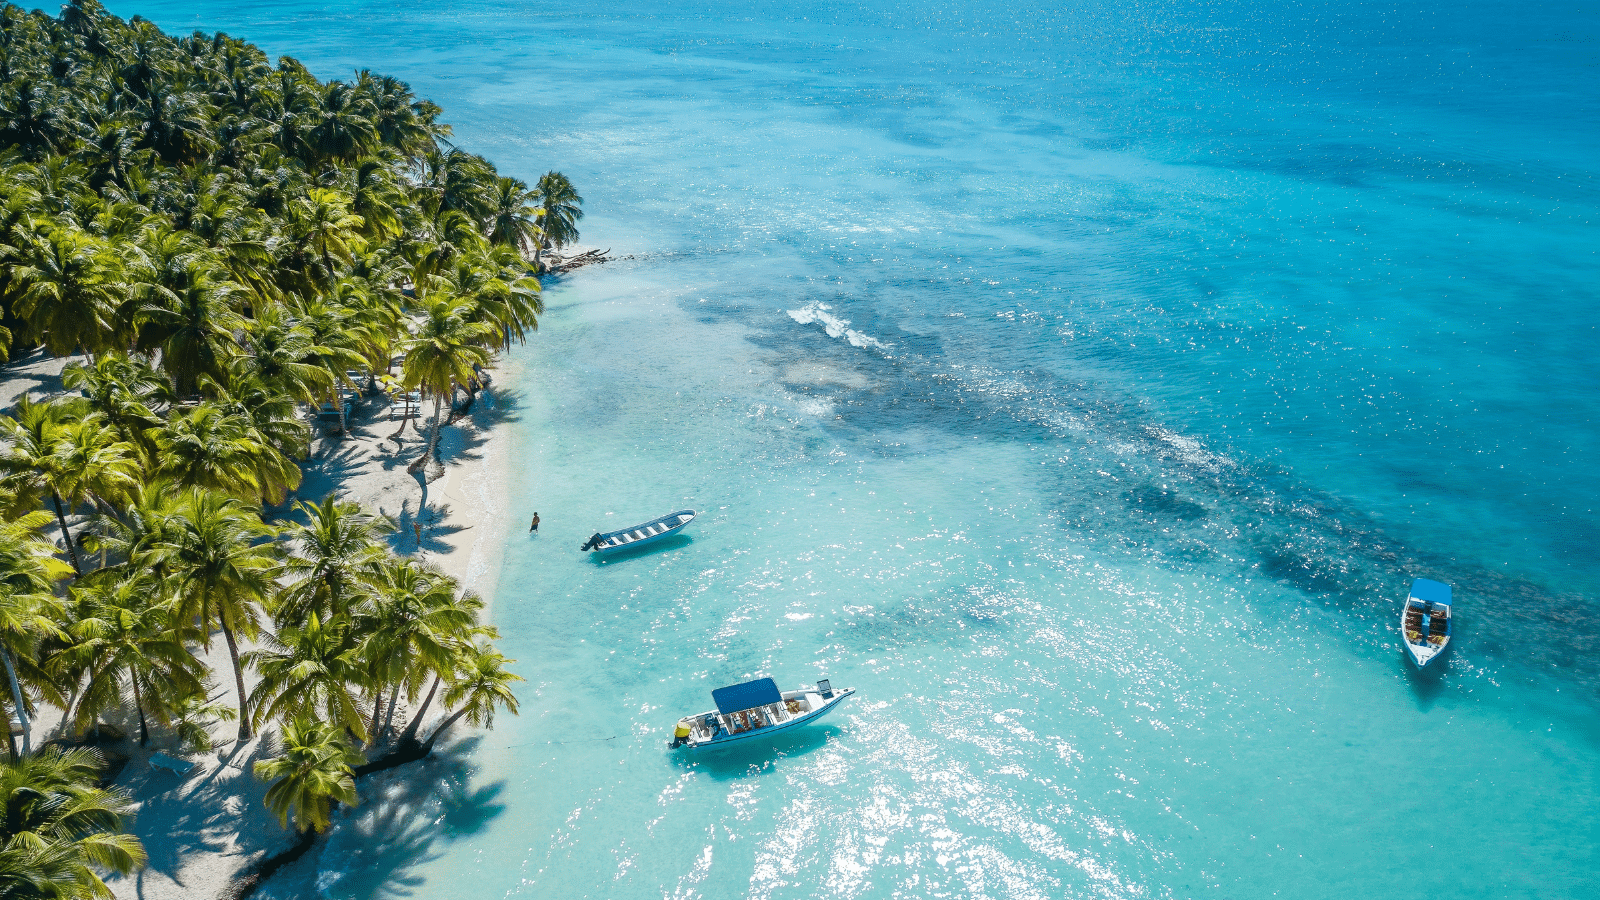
(561, 266)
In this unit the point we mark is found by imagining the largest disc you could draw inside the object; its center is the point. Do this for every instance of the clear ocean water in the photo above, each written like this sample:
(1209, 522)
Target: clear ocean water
(1084, 383)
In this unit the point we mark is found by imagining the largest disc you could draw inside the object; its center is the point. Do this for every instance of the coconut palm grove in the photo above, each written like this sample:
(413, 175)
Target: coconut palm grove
(226, 243)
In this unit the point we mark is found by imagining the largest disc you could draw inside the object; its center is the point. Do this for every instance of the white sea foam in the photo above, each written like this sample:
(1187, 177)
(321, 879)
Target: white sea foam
(819, 313)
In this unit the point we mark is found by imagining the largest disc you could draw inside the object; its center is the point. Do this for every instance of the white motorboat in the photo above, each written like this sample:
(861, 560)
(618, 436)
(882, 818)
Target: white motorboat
(640, 535)
(1425, 621)
(755, 709)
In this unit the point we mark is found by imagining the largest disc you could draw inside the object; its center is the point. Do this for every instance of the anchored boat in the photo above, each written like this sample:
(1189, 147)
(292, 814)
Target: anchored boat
(755, 709)
(1425, 621)
(639, 535)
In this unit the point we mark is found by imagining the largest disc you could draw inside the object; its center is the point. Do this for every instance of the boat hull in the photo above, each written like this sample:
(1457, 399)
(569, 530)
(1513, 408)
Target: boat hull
(645, 534)
(724, 739)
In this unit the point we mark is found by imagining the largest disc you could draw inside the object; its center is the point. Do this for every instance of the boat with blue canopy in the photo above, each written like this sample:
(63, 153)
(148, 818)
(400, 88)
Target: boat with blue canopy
(640, 535)
(1425, 621)
(755, 709)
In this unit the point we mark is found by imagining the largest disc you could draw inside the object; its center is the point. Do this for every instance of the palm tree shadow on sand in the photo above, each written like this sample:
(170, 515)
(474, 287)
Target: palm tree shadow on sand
(405, 824)
(757, 755)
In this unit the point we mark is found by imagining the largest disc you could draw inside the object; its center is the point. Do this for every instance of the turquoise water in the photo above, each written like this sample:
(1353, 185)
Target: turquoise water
(1084, 385)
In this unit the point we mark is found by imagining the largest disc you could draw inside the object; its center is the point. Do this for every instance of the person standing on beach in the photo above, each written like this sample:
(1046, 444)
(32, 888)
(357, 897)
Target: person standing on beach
(535, 526)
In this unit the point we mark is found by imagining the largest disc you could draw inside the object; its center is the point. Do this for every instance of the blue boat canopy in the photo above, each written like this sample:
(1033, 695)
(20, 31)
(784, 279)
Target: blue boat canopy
(749, 695)
(1433, 592)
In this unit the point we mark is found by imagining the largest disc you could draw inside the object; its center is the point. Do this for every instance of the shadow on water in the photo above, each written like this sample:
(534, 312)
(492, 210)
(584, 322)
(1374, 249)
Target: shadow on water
(1429, 684)
(406, 824)
(755, 755)
(667, 543)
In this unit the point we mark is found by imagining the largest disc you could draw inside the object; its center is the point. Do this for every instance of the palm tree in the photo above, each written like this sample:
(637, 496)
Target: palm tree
(192, 319)
(502, 292)
(443, 354)
(125, 634)
(311, 670)
(320, 229)
(124, 391)
(338, 340)
(455, 181)
(285, 355)
(70, 460)
(331, 559)
(29, 609)
(313, 773)
(131, 536)
(481, 684)
(208, 447)
(562, 210)
(272, 422)
(98, 465)
(341, 128)
(221, 573)
(60, 829)
(376, 198)
(411, 625)
(67, 291)
(515, 220)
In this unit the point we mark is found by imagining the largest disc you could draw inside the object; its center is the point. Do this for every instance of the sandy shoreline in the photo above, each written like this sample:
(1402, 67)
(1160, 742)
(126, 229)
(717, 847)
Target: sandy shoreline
(202, 829)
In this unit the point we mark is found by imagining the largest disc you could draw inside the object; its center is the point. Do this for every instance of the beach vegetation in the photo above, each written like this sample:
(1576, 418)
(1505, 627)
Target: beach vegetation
(228, 245)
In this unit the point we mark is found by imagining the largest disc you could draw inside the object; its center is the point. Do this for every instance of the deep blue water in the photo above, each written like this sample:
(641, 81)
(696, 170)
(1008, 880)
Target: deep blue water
(1084, 384)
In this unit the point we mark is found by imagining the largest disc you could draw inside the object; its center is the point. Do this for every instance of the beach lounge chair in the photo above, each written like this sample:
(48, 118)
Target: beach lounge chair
(178, 767)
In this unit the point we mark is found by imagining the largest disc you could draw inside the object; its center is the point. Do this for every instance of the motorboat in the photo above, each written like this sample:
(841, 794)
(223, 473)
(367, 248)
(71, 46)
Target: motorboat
(1425, 621)
(755, 709)
(640, 535)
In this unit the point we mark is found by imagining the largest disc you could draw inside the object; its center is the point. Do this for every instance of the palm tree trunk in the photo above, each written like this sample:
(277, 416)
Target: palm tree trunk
(388, 719)
(22, 706)
(138, 703)
(433, 439)
(377, 707)
(66, 535)
(416, 718)
(238, 680)
(405, 419)
(427, 746)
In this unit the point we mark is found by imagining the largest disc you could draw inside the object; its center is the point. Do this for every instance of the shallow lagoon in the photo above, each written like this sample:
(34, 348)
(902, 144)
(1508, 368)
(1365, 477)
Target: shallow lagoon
(1084, 386)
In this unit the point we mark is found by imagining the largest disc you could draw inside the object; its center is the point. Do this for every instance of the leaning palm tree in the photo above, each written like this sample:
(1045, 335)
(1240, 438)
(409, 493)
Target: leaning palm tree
(313, 773)
(562, 210)
(443, 354)
(29, 608)
(480, 686)
(60, 830)
(221, 573)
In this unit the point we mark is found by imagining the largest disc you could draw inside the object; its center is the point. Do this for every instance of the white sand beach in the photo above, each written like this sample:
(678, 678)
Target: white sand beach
(203, 828)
